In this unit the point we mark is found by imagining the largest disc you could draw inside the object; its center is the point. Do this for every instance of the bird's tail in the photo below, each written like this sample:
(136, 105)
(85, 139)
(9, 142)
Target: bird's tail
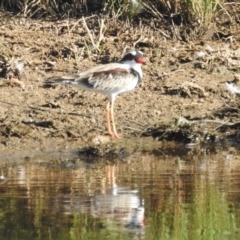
(60, 80)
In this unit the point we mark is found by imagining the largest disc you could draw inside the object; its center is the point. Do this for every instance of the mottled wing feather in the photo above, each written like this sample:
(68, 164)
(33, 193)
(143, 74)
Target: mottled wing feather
(110, 81)
(110, 77)
(101, 68)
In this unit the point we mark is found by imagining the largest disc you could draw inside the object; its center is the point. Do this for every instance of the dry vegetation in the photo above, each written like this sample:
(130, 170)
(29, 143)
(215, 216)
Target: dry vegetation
(202, 11)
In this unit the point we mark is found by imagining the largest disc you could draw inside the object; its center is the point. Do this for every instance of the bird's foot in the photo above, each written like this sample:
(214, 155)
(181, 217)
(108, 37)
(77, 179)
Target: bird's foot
(116, 135)
(113, 134)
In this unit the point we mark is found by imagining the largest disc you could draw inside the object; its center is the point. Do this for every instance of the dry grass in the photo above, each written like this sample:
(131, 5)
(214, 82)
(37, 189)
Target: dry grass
(176, 19)
(202, 11)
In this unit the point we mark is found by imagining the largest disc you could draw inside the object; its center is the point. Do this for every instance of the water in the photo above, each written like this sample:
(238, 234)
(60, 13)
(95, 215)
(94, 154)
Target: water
(190, 194)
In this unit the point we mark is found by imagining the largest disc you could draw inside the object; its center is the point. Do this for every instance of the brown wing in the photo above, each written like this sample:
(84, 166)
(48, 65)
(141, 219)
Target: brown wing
(113, 76)
(108, 80)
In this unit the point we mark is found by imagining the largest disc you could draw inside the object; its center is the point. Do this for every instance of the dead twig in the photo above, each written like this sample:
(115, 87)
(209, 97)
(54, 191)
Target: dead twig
(220, 125)
(140, 38)
(171, 73)
(101, 34)
(89, 32)
(81, 19)
(134, 129)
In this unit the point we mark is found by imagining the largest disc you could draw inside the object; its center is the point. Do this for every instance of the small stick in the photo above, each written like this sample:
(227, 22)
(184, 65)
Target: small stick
(135, 129)
(140, 38)
(78, 22)
(101, 35)
(173, 72)
(220, 125)
(89, 33)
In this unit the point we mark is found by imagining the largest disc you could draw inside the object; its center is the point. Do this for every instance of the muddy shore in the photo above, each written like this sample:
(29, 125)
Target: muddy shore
(182, 98)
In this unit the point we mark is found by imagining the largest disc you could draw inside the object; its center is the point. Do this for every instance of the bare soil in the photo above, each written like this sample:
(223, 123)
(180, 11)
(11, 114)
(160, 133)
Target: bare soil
(183, 96)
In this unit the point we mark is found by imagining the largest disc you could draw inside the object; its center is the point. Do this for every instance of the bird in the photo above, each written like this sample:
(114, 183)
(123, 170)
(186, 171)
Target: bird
(109, 79)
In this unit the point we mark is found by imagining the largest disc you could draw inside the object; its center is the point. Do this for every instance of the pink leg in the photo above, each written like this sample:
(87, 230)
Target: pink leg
(113, 121)
(109, 120)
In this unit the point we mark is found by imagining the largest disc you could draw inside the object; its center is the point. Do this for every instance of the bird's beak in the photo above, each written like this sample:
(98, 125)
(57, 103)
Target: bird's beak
(141, 60)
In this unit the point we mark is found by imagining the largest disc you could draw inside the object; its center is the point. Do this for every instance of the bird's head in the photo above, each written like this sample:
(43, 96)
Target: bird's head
(133, 56)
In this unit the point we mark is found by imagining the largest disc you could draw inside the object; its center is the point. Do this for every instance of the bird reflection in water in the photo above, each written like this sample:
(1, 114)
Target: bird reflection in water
(120, 204)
